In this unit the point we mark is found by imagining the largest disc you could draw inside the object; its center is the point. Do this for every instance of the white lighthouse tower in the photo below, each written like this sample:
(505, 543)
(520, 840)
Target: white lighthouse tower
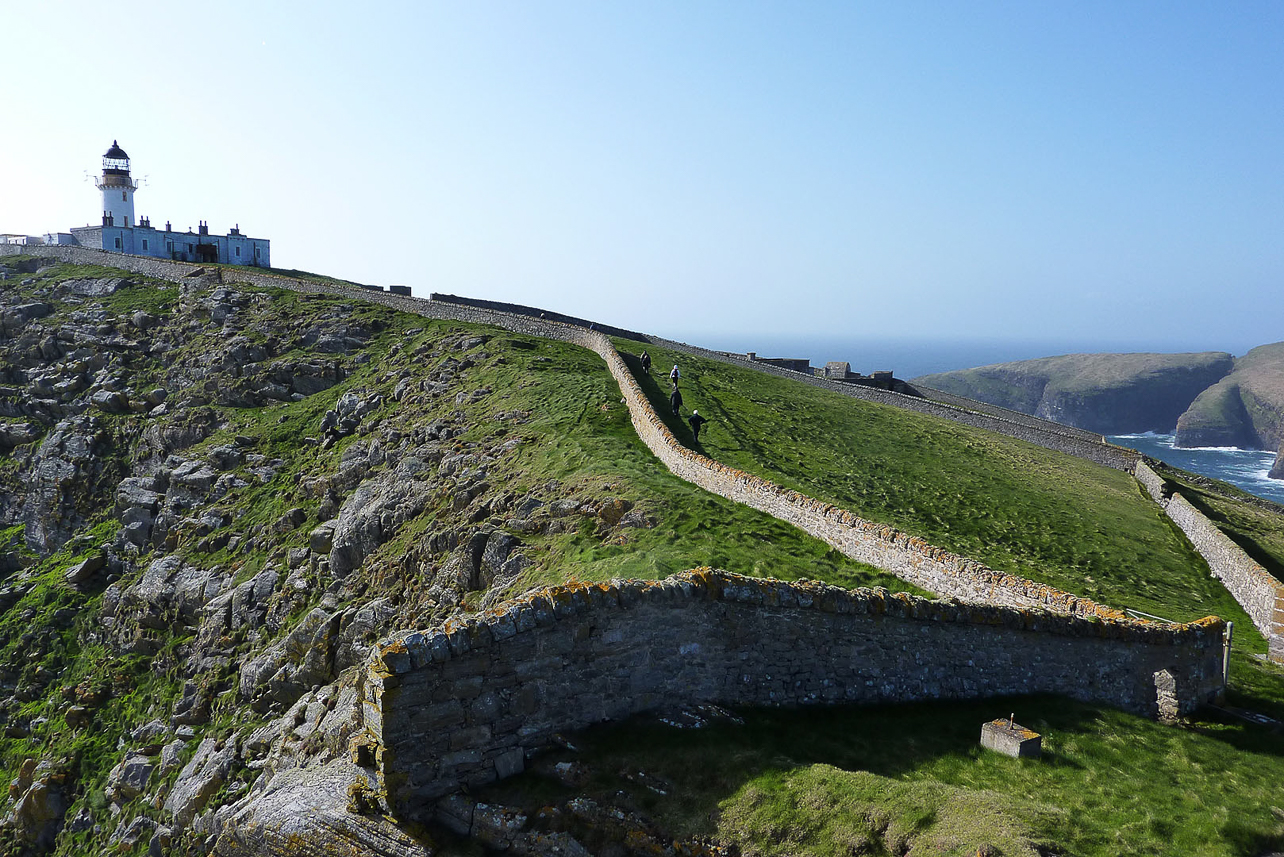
(117, 188)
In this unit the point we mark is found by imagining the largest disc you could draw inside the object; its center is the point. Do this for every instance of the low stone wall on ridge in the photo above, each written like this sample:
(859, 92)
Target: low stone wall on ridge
(1255, 588)
(467, 702)
(908, 557)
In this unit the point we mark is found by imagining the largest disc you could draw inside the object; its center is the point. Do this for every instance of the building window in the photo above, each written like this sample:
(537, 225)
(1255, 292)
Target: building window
(117, 242)
(238, 252)
(256, 252)
(144, 245)
(169, 246)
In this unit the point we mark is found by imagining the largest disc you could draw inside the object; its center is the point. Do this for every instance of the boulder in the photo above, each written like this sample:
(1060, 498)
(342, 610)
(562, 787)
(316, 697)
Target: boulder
(372, 515)
(15, 318)
(110, 402)
(129, 778)
(16, 434)
(203, 775)
(289, 668)
(94, 287)
(306, 811)
(86, 568)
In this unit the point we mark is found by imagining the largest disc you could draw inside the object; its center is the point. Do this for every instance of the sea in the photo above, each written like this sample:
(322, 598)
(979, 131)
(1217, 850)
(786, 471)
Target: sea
(1244, 468)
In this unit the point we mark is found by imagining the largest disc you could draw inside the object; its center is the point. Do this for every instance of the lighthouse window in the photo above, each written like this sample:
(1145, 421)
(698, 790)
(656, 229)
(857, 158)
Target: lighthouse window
(123, 197)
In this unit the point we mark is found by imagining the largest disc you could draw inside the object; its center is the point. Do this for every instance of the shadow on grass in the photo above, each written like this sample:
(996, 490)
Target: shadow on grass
(1102, 770)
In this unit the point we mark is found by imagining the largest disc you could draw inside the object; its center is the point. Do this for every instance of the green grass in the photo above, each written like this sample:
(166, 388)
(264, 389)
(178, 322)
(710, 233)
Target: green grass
(1018, 508)
(1257, 529)
(892, 779)
(878, 779)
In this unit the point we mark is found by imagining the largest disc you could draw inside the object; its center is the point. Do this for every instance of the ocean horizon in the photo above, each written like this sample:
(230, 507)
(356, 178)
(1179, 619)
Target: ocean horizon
(909, 358)
(906, 358)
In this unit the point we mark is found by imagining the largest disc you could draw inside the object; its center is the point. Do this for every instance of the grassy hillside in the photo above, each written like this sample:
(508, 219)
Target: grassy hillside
(911, 779)
(1019, 508)
(542, 419)
(544, 450)
(1107, 393)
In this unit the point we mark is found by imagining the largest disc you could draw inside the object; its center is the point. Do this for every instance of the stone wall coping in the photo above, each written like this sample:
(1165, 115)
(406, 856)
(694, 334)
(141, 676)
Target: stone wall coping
(411, 650)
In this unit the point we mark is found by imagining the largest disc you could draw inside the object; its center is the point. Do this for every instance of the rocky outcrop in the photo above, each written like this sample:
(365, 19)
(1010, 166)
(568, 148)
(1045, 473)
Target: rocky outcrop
(1105, 393)
(64, 478)
(310, 811)
(375, 510)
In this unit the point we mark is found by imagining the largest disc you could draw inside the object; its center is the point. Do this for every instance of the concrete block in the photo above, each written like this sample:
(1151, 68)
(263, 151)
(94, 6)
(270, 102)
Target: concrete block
(1011, 739)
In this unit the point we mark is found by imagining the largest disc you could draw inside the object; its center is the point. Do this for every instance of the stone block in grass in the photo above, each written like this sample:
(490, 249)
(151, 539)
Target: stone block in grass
(1011, 739)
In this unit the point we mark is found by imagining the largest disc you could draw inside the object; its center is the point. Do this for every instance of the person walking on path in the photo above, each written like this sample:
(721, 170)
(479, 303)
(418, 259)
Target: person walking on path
(674, 375)
(675, 401)
(646, 363)
(696, 422)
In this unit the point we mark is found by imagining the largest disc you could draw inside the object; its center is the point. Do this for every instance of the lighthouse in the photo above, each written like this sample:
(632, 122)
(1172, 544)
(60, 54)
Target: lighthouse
(117, 188)
(121, 232)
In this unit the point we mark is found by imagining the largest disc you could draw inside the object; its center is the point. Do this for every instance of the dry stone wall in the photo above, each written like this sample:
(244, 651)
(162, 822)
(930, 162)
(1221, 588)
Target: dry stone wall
(909, 558)
(1033, 430)
(1256, 590)
(467, 702)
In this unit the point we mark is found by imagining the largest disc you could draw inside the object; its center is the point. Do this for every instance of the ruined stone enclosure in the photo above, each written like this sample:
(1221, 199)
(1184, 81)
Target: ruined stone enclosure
(465, 703)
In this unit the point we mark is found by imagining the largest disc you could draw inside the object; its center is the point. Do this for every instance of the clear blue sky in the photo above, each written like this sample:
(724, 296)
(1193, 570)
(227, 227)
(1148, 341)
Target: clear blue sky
(1088, 171)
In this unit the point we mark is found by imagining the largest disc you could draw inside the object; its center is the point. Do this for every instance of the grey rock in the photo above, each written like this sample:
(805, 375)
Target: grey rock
(61, 480)
(130, 833)
(16, 434)
(359, 631)
(372, 515)
(203, 775)
(110, 402)
(150, 732)
(170, 755)
(497, 826)
(226, 457)
(15, 318)
(289, 668)
(129, 778)
(86, 568)
(94, 288)
(143, 320)
(321, 539)
(306, 811)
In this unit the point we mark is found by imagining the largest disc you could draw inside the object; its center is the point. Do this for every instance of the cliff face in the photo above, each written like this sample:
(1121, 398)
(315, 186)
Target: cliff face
(1106, 393)
(1246, 408)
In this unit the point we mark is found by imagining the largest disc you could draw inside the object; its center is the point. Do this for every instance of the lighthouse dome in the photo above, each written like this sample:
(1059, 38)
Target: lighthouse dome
(116, 153)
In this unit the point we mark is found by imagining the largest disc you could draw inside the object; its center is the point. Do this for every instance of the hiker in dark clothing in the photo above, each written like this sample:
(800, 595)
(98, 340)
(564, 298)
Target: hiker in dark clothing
(675, 400)
(646, 363)
(696, 422)
(674, 376)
